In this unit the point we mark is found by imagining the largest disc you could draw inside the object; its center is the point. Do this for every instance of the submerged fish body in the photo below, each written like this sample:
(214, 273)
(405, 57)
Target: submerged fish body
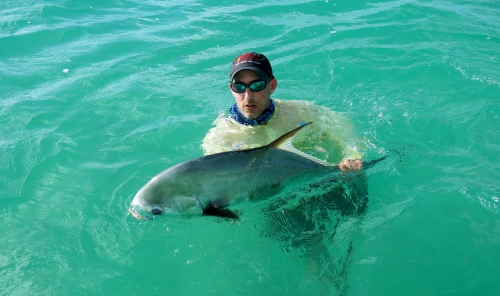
(206, 185)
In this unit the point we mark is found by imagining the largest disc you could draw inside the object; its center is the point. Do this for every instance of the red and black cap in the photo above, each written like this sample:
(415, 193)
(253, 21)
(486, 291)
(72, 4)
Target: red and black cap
(256, 62)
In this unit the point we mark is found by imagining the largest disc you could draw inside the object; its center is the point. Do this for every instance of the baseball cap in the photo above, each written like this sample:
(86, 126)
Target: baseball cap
(256, 62)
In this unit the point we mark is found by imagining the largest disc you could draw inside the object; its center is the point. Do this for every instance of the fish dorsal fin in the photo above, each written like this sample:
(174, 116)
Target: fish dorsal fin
(285, 143)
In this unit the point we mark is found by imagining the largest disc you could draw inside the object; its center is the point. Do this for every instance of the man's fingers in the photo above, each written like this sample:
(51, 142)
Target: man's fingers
(351, 165)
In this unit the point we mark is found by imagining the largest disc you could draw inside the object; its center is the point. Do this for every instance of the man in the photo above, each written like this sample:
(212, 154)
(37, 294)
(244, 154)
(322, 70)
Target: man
(256, 120)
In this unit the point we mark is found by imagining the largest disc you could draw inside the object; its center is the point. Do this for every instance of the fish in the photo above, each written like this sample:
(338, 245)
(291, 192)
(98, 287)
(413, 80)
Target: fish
(207, 185)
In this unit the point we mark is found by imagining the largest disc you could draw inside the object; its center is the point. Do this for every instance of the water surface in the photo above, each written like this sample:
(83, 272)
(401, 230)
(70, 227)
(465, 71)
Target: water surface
(98, 97)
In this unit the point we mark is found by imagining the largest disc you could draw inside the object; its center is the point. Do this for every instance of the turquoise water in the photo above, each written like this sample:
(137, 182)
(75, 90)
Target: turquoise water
(96, 97)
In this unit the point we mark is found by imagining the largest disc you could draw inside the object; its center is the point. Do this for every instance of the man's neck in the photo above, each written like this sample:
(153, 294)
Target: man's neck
(262, 119)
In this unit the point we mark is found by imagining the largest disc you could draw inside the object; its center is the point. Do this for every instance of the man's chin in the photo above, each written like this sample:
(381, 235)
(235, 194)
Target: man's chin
(250, 116)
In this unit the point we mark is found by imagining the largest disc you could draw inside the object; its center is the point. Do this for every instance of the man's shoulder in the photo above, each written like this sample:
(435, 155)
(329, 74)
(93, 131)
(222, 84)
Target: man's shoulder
(304, 106)
(300, 108)
(298, 105)
(293, 102)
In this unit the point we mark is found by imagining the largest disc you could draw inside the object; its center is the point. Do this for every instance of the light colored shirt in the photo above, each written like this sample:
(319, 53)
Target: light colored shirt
(329, 137)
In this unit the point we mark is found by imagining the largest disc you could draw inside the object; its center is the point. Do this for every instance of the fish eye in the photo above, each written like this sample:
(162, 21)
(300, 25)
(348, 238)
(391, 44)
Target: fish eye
(157, 210)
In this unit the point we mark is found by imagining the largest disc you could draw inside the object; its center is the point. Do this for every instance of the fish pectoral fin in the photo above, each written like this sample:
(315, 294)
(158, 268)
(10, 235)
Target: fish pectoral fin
(213, 210)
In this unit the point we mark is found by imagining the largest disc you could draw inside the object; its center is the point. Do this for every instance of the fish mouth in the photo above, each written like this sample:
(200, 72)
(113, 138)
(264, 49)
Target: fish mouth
(142, 213)
(136, 213)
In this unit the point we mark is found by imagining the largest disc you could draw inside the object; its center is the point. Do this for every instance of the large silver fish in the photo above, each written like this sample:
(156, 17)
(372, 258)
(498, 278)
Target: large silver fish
(207, 185)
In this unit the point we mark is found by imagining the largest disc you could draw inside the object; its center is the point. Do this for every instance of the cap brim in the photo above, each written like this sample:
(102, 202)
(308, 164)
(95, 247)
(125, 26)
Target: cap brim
(262, 75)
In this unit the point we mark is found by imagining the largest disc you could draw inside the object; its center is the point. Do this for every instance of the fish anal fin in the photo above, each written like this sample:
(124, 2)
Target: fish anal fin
(213, 210)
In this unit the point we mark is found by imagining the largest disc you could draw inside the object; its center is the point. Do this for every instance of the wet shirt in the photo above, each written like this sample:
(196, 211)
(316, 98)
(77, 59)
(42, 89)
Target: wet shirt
(329, 137)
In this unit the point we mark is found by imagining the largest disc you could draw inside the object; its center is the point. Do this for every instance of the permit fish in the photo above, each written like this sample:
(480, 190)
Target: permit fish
(208, 185)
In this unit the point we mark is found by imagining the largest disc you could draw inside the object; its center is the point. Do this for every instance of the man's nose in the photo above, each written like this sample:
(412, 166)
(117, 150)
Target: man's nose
(248, 93)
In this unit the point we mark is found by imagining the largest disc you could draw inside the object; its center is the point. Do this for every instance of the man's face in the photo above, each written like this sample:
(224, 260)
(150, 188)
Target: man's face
(252, 104)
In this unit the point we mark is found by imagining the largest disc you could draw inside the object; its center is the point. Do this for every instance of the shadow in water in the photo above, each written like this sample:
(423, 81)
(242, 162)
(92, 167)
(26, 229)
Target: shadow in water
(319, 222)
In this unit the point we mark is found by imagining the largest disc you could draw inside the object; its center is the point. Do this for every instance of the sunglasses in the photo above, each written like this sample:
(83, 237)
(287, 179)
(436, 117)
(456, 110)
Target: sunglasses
(254, 86)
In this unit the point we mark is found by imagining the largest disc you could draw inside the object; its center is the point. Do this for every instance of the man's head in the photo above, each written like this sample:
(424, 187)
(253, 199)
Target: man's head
(255, 62)
(252, 83)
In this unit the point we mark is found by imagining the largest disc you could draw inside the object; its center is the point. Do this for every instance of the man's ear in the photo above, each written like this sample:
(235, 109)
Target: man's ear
(274, 85)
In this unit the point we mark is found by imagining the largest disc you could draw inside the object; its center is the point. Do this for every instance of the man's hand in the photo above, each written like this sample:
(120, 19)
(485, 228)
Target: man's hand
(349, 165)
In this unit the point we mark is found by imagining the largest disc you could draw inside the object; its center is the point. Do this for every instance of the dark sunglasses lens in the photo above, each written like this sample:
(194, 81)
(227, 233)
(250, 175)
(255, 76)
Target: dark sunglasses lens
(238, 88)
(258, 85)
